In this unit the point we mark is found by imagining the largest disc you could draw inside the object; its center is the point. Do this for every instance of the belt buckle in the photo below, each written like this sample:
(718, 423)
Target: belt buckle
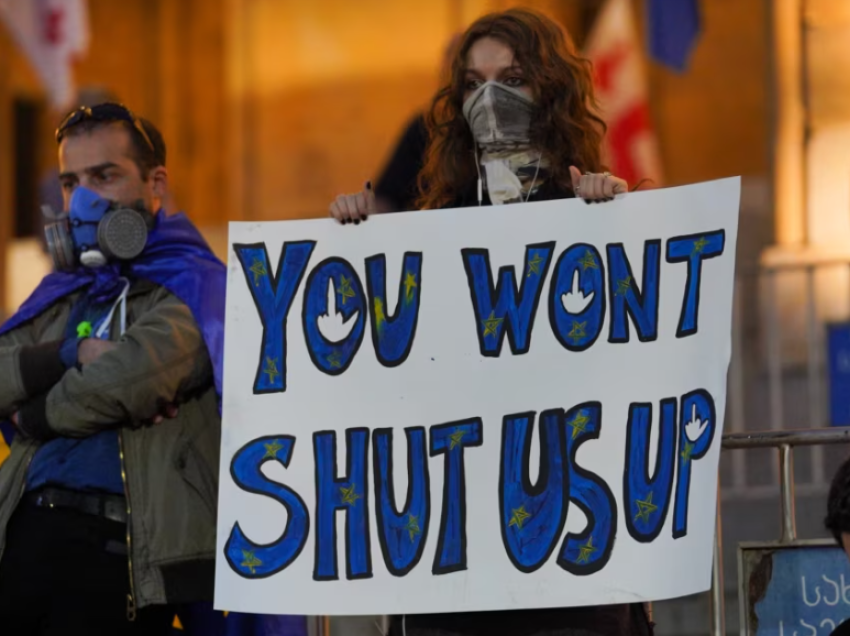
(42, 502)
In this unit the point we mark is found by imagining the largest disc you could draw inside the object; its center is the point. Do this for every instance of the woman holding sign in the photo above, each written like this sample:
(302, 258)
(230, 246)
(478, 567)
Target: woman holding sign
(514, 124)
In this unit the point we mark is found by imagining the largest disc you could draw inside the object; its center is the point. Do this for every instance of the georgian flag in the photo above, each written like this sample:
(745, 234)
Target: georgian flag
(51, 33)
(630, 148)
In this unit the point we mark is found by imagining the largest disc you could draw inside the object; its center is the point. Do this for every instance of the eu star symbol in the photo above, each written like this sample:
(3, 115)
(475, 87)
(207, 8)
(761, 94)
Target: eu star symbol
(491, 325)
(534, 265)
(271, 369)
(578, 331)
(335, 360)
(456, 437)
(380, 316)
(588, 261)
(645, 508)
(518, 517)
(349, 495)
(699, 245)
(250, 561)
(272, 449)
(409, 284)
(412, 526)
(344, 290)
(258, 269)
(579, 423)
(586, 551)
(623, 286)
(686, 452)
(84, 329)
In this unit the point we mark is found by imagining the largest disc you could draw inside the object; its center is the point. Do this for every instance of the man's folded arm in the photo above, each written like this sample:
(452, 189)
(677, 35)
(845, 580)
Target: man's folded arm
(160, 359)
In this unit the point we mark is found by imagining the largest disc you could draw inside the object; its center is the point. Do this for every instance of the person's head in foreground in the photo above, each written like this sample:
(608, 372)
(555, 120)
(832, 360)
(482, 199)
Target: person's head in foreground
(110, 151)
(838, 507)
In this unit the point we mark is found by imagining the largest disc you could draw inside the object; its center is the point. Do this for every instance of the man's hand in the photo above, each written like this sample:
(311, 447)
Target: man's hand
(170, 411)
(91, 349)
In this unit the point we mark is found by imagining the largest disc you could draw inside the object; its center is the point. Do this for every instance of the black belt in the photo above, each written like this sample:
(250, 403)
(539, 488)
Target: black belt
(112, 507)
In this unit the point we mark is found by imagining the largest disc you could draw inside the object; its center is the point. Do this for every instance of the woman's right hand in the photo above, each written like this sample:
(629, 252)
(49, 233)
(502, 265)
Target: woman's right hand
(353, 208)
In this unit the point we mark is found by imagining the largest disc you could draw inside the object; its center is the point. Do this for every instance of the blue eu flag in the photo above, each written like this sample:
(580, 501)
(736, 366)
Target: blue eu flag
(673, 26)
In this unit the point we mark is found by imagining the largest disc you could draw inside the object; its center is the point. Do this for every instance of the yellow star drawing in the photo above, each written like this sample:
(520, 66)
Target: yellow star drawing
(349, 495)
(456, 437)
(380, 316)
(699, 245)
(412, 526)
(335, 360)
(491, 325)
(624, 286)
(272, 449)
(578, 331)
(534, 265)
(579, 423)
(588, 261)
(271, 369)
(258, 269)
(409, 284)
(686, 453)
(518, 517)
(250, 561)
(585, 551)
(645, 508)
(344, 290)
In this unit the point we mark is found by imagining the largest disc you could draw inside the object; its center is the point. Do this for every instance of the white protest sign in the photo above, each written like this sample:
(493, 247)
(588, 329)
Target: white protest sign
(477, 409)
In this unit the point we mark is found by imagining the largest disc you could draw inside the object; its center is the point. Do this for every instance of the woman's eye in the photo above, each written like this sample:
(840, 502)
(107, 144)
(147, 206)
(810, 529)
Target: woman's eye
(473, 84)
(514, 82)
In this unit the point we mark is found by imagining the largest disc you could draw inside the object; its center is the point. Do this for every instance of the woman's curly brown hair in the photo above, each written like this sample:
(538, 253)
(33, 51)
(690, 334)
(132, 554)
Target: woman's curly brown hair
(565, 127)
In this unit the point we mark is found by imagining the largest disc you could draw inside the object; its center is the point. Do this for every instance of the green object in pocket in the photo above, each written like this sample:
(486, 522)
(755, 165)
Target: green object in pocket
(84, 329)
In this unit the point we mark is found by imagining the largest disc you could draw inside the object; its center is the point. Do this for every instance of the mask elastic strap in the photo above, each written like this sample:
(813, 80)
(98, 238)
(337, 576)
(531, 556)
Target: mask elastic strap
(534, 180)
(480, 183)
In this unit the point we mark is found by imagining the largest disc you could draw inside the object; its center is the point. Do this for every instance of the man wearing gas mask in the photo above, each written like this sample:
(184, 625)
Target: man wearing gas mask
(107, 510)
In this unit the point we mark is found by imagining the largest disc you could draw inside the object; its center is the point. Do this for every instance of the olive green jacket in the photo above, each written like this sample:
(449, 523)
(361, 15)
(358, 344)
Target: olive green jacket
(170, 470)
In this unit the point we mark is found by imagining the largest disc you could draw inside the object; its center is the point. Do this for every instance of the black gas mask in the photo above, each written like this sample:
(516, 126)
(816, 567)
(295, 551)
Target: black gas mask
(95, 231)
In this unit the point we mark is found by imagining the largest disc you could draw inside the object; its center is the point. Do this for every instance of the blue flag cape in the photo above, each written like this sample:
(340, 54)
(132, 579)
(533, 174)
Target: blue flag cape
(673, 27)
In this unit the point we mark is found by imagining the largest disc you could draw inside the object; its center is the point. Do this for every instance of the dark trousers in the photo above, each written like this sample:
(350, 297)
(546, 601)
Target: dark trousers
(63, 572)
(604, 620)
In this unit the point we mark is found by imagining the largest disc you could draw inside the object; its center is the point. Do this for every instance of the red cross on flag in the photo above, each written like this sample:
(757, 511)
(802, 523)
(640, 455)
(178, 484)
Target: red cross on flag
(51, 33)
(631, 148)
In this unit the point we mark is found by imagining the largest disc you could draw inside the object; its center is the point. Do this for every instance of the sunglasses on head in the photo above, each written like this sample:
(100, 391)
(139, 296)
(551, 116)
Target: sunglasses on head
(102, 113)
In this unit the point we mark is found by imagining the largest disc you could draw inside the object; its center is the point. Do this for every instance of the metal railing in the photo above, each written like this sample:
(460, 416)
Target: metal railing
(784, 442)
(781, 354)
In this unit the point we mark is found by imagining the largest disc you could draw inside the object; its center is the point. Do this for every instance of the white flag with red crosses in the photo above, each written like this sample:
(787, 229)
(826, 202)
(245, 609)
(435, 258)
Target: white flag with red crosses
(630, 148)
(51, 33)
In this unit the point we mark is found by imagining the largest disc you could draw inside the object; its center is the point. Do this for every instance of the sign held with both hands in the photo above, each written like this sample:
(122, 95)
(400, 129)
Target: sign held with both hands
(459, 410)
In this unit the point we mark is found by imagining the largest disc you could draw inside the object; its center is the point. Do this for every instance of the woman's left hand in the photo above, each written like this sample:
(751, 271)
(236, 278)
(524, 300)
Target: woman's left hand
(594, 188)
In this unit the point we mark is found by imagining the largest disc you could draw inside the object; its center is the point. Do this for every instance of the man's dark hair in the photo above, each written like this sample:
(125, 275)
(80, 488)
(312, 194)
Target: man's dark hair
(838, 503)
(144, 156)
